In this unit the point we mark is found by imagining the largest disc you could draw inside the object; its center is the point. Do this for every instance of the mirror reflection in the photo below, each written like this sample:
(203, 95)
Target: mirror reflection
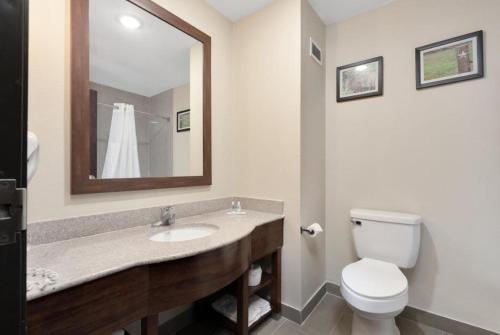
(146, 95)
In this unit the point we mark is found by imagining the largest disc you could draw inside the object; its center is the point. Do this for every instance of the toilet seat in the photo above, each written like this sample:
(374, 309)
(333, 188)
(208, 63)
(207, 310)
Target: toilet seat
(374, 279)
(374, 286)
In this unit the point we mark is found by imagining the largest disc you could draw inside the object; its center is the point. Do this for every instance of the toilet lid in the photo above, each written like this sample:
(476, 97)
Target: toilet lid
(374, 279)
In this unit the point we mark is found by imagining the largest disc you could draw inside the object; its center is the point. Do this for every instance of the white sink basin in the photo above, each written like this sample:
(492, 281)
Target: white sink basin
(184, 233)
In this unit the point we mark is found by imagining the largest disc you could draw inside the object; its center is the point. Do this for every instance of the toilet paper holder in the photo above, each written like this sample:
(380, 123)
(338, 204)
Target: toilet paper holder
(313, 230)
(306, 230)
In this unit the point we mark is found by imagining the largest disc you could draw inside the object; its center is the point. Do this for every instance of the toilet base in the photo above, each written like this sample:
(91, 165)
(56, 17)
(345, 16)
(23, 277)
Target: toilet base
(364, 326)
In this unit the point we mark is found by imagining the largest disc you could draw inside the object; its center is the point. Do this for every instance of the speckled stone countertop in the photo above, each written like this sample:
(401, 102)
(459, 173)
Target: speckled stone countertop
(87, 258)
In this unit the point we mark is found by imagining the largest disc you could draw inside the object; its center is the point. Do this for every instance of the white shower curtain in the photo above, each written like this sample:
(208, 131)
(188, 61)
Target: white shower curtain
(122, 158)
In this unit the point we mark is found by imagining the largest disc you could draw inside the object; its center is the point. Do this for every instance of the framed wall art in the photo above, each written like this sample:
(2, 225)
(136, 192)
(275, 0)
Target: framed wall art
(450, 61)
(184, 120)
(360, 80)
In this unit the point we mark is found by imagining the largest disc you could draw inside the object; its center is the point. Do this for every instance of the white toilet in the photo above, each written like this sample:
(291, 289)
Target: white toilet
(374, 287)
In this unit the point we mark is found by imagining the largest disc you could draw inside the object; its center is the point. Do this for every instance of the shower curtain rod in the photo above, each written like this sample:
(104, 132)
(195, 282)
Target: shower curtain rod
(136, 111)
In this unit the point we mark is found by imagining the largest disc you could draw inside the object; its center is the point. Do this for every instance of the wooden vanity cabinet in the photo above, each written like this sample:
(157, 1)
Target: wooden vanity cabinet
(106, 304)
(100, 306)
(266, 239)
(183, 281)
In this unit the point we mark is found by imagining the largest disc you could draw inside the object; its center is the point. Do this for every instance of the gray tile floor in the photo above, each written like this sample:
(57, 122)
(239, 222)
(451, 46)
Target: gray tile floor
(330, 317)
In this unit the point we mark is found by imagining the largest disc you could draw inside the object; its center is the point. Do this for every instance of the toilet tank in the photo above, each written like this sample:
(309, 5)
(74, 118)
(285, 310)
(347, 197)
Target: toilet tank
(387, 236)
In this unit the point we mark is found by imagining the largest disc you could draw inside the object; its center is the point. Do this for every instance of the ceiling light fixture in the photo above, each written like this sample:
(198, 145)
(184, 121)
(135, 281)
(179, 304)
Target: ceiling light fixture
(130, 22)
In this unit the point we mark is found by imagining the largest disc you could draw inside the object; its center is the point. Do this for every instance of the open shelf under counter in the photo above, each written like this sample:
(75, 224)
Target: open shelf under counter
(266, 281)
(233, 326)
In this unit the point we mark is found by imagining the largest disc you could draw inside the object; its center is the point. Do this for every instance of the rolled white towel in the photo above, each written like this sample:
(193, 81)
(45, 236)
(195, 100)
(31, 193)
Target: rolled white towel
(254, 275)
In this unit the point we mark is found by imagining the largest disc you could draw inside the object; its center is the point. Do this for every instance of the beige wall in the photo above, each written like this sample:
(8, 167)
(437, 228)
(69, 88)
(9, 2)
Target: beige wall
(180, 141)
(196, 106)
(49, 114)
(160, 134)
(267, 121)
(312, 152)
(434, 152)
(256, 133)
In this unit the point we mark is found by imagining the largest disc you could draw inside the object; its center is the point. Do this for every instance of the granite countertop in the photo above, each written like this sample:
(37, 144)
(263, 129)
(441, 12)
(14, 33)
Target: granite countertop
(84, 259)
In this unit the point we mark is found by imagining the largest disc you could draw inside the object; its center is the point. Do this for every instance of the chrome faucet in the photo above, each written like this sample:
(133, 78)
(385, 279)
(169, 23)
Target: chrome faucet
(167, 217)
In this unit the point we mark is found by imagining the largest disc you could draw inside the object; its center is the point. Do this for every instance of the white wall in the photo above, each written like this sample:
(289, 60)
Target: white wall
(49, 114)
(312, 160)
(267, 124)
(434, 152)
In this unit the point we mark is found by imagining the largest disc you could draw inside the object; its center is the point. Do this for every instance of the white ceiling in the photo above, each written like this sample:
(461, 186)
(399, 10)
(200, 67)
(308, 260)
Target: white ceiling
(330, 11)
(236, 9)
(146, 61)
(155, 57)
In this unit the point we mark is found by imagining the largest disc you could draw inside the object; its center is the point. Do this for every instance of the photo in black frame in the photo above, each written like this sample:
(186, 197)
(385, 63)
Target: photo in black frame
(450, 61)
(360, 80)
(184, 120)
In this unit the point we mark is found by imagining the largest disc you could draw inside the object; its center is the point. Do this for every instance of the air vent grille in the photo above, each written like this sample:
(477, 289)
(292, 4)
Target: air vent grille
(315, 52)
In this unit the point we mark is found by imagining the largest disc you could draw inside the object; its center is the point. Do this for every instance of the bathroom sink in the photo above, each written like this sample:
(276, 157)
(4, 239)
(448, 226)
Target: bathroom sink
(184, 233)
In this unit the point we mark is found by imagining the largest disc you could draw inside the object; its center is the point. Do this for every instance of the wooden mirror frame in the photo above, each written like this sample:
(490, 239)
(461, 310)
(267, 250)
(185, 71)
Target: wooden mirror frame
(80, 107)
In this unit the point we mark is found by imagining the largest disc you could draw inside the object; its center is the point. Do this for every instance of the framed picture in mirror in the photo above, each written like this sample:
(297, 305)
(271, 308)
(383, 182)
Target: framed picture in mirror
(184, 120)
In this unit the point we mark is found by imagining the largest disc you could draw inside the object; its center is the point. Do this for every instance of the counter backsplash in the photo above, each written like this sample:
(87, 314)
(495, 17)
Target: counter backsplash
(42, 232)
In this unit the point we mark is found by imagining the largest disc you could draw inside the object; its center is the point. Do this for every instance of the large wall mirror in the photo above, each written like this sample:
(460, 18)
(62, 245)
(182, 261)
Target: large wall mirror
(140, 98)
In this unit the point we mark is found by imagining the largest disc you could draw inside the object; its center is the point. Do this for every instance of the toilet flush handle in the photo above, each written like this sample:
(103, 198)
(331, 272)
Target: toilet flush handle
(356, 222)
